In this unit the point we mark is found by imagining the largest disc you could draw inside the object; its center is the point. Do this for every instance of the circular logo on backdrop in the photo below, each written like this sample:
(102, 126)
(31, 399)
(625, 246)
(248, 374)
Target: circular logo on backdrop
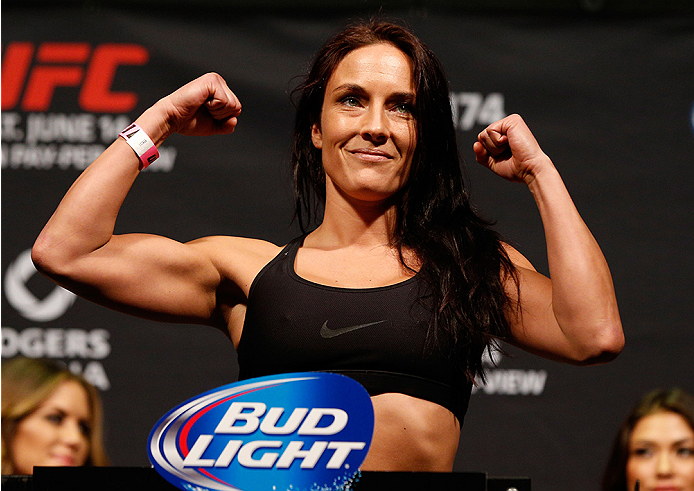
(24, 301)
(299, 431)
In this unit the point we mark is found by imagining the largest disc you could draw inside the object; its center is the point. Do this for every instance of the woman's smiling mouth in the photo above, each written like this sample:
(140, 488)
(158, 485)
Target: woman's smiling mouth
(371, 154)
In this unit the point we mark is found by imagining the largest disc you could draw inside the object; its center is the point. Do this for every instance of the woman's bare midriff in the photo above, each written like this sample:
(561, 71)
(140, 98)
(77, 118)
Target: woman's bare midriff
(411, 434)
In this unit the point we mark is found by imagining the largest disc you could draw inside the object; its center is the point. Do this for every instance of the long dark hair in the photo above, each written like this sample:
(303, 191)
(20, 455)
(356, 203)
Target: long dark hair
(462, 260)
(674, 400)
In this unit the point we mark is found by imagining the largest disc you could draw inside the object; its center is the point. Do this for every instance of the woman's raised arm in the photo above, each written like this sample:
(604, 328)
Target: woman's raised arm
(146, 275)
(573, 316)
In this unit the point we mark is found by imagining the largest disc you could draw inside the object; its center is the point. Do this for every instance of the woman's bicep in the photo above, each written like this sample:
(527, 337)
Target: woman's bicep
(579, 334)
(145, 275)
(534, 327)
(531, 319)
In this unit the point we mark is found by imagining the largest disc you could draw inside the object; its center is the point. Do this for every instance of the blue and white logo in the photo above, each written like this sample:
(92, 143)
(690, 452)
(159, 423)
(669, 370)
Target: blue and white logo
(297, 431)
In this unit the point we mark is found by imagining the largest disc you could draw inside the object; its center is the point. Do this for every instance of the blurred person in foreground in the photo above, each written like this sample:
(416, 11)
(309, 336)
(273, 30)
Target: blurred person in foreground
(50, 417)
(654, 448)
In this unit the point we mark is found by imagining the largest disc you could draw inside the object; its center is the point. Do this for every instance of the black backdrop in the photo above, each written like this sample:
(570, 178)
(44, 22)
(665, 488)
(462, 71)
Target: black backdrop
(609, 97)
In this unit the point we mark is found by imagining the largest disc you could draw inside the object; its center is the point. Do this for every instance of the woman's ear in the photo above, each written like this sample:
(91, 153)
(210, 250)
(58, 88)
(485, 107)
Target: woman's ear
(316, 136)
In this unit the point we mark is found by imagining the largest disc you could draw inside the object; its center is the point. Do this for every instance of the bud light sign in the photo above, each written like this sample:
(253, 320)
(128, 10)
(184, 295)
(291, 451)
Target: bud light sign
(296, 431)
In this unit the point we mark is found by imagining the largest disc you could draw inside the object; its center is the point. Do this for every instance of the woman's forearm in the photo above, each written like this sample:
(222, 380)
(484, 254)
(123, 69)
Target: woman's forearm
(85, 218)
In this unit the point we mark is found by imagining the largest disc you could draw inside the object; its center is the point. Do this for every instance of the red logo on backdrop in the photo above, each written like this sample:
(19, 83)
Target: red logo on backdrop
(30, 74)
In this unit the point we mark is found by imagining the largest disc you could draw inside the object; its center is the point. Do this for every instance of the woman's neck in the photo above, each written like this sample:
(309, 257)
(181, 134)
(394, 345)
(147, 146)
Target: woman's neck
(357, 223)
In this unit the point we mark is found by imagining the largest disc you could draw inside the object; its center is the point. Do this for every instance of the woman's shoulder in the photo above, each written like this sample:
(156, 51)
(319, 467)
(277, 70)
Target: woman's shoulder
(231, 244)
(237, 258)
(518, 259)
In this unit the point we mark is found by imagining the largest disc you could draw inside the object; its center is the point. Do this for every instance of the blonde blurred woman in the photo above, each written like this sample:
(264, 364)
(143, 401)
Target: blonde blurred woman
(50, 417)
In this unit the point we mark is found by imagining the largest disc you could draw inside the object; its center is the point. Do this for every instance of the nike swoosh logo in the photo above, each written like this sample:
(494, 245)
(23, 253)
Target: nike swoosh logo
(328, 333)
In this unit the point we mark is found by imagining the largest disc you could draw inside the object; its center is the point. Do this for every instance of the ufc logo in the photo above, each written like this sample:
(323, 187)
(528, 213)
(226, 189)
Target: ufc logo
(31, 74)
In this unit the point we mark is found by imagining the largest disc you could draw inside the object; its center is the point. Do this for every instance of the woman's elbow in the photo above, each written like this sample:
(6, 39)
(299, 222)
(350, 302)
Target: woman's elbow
(40, 255)
(605, 346)
(47, 258)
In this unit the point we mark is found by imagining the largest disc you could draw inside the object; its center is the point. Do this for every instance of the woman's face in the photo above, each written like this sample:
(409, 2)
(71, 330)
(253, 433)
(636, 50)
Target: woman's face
(367, 133)
(56, 433)
(661, 454)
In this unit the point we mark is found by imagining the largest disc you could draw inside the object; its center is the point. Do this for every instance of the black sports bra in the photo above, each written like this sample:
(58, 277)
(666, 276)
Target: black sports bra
(374, 335)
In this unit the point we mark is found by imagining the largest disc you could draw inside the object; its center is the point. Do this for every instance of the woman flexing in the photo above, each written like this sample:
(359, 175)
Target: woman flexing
(401, 285)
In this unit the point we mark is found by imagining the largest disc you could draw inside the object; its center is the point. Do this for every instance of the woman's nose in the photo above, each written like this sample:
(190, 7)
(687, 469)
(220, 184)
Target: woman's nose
(71, 433)
(664, 464)
(375, 127)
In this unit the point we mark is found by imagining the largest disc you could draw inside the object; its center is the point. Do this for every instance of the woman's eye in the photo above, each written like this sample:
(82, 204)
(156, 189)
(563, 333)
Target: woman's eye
(85, 428)
(55, 419)
(642, 452)
(351, 101)
(404, 109)
(685, 452)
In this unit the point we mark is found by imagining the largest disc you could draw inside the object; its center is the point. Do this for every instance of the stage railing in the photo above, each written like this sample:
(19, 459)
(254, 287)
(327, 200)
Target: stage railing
(127, 478)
